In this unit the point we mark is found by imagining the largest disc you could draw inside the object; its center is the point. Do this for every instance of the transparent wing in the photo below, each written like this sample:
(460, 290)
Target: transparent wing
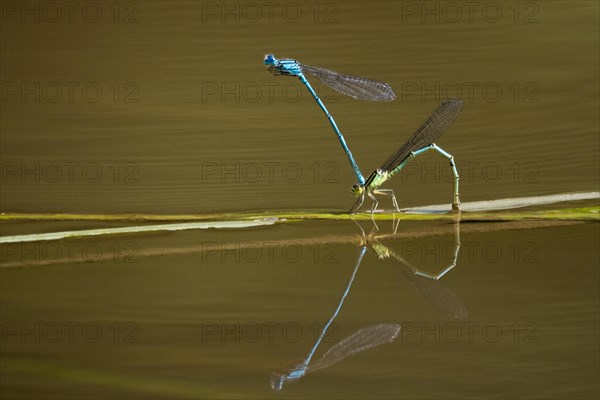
(353, 86)
(433, 127)
(361, 340)
(442, 298)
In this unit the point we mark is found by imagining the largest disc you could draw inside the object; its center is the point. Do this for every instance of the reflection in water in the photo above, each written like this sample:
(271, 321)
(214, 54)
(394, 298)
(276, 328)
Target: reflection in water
(361, 340)
(442, 298)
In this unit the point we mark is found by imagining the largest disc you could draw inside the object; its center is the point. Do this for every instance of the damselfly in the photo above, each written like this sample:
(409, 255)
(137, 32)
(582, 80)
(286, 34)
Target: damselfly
(421, 141)
(353, 86)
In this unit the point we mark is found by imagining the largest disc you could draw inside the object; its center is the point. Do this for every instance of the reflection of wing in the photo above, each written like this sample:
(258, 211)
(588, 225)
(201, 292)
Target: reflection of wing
(353, 86)
(361, 340)
(442, 298)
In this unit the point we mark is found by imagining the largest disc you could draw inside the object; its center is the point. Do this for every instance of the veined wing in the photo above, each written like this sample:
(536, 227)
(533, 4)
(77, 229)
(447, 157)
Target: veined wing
(361, 340)
(442, 298)
(353, 86)
(433, 127)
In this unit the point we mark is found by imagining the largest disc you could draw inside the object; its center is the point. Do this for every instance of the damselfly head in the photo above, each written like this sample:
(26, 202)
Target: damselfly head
(269, 59)
(381, 251)
(357, 189)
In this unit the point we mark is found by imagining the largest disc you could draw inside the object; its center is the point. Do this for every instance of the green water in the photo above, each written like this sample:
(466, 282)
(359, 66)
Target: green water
(166, 107)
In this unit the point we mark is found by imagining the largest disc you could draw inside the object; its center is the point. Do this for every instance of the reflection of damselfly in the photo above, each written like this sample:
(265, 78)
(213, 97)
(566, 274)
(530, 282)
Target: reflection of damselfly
(361, 340)
(442, 298)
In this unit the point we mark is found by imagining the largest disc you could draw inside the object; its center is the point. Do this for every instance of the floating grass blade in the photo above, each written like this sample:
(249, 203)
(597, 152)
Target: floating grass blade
(134, 229)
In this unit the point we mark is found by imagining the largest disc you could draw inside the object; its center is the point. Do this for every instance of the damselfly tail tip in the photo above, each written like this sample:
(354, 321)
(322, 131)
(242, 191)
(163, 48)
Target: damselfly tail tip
(269, 59)
(277, 381)
(392, 95)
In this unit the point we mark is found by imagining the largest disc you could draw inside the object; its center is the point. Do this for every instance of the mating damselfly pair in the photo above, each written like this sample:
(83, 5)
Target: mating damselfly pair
(359, 88)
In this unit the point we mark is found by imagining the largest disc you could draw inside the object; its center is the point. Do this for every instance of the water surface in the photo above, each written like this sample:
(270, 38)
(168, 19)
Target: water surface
(188, 120)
